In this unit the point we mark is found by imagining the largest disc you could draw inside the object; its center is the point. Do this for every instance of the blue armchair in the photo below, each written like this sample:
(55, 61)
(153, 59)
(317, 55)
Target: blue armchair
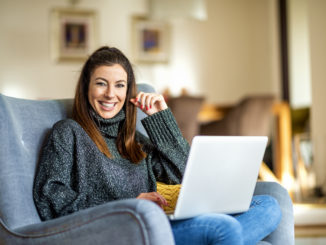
(24, 125)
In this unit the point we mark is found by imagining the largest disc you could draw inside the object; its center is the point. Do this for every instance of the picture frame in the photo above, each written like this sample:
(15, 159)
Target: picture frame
(73, 34)
(151, 40)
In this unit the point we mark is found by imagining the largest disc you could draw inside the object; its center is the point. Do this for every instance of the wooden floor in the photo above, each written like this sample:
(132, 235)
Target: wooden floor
(310, 235)
(310, 241)
(310, 231)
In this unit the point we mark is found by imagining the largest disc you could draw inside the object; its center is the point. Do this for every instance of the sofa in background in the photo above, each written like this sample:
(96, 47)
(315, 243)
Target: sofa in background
(24, 125)
(252, 115)
(185, 109)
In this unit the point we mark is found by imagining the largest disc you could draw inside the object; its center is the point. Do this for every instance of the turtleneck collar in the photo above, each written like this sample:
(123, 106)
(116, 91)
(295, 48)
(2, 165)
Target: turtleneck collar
(109, 127)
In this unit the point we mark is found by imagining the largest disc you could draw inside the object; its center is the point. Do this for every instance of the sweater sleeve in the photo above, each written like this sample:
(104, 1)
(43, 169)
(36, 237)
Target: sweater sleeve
(168, 152)
(55, 193)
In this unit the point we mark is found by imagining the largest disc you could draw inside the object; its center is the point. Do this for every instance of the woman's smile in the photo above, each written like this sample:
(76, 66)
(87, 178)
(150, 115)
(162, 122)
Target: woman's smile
(107, 105)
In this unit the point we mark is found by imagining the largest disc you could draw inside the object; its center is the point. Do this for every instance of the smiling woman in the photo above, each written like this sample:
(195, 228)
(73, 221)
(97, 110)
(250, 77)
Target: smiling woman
(107, 90)
(100, 95)
(74, 173)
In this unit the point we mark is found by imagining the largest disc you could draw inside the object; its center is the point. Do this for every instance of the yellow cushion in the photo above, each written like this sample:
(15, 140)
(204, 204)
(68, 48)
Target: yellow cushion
(170, 193)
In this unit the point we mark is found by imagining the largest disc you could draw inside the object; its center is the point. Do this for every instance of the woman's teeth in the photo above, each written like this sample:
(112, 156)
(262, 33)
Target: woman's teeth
(108, 105)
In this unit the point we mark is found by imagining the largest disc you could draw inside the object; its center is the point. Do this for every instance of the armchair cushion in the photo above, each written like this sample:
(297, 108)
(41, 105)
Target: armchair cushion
(284, 234)
(121, 222)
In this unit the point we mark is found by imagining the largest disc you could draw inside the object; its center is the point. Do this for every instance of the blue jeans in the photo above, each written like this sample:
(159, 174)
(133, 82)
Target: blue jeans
(250, 227)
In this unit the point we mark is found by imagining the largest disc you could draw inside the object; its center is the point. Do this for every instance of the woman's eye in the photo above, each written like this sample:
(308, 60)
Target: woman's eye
(120, 85)
(101, 84)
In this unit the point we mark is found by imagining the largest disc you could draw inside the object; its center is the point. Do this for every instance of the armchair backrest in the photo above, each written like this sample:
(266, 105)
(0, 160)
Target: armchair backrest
(24, 125)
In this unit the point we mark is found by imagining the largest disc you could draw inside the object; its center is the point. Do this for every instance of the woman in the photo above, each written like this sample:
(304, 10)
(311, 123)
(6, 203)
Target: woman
(98, 157)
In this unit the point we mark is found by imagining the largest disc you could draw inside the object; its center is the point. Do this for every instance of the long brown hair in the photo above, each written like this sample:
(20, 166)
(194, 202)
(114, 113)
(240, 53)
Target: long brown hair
(126, 143)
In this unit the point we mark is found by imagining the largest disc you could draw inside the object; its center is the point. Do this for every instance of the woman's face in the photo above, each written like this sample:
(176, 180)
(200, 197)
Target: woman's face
(108, 90)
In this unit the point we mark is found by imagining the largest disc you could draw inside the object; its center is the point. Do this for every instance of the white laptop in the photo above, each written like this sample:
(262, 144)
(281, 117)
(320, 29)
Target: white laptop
(220, 175)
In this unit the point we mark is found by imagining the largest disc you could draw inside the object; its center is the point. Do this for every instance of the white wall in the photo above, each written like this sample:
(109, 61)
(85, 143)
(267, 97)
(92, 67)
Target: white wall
(299, 54)
(317, 31)
(232, 54)
(27, 70)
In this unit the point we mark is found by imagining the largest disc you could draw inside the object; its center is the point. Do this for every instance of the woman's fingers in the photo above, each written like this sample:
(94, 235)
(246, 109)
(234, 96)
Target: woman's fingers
(155, 197)
(134, 101)
(145, 99)
(141, 99)
(150, 103)
(161, 199)
(156, 99)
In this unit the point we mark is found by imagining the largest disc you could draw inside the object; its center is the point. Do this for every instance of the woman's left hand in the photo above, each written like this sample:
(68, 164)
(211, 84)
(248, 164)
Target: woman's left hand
(149, 103)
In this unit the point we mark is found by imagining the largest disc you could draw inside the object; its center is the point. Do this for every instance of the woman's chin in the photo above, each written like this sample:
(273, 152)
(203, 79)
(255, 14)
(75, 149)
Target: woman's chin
(108, 114)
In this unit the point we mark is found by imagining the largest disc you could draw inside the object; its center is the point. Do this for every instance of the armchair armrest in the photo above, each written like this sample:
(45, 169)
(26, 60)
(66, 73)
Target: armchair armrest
(284, 234)
(131, 221)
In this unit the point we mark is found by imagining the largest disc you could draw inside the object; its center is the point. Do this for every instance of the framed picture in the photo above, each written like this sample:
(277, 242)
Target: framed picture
(73, 34)
(151, 40)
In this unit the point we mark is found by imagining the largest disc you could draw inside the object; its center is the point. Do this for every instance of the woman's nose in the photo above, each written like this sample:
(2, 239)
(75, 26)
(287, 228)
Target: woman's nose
(109, 92)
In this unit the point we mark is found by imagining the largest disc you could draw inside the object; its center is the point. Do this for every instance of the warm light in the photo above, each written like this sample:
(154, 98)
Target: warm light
(266, 174)
(12, 90)
(288, 181)
(180, 75)
(309, 214)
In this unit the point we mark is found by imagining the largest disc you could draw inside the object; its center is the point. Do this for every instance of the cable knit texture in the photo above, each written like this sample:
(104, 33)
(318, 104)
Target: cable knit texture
(170, 193)
(73, 174)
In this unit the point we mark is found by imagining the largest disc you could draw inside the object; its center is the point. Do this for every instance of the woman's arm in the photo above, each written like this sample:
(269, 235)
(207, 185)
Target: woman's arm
(167, 150)
(55, 191)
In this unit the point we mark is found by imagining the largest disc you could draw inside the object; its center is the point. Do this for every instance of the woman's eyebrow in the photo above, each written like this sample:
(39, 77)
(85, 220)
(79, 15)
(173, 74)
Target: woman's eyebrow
(101, 78)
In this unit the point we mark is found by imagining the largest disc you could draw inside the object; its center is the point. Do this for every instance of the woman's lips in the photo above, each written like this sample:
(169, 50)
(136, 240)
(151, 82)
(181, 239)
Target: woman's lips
(107, 106)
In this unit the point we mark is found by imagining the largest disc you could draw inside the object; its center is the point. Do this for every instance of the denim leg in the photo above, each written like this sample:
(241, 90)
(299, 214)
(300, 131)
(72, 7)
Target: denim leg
(260, 220)
(208, 229)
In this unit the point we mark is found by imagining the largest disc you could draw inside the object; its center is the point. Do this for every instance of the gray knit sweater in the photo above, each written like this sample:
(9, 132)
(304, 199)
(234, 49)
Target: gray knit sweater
(73, 174)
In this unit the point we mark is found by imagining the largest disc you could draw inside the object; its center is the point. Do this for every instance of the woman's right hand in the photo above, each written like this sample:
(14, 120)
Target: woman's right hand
(149, 103)
(154, 197)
